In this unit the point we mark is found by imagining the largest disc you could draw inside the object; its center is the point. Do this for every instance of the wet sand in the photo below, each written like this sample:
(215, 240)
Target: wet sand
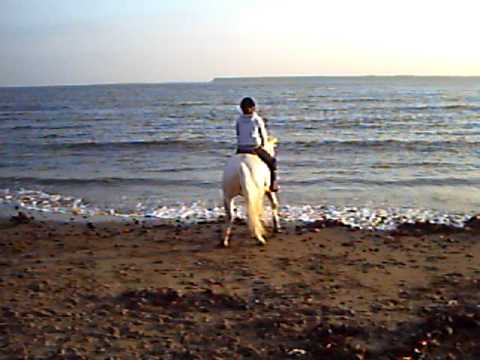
(144, 290)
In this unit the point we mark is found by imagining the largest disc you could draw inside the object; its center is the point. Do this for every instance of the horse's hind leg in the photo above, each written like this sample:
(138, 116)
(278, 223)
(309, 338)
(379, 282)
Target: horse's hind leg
(274, 203)
(228, 204)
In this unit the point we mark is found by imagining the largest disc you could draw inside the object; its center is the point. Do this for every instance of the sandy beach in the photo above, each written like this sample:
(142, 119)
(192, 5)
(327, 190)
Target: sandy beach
(130, 131)
(143, 290)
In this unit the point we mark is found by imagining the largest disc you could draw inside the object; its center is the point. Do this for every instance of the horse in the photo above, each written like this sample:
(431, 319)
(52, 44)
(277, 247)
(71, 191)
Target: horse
(248, 176)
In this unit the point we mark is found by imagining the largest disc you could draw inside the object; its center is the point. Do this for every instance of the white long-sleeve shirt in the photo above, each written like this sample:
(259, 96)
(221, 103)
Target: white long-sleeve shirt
(251, 132)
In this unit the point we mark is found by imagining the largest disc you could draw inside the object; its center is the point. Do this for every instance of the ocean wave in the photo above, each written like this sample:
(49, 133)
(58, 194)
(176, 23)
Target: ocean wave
(461, 107)
(418, 182)
(52, 127)
(23, 127)
(6, 115)
(321, 177)
(389, 105)
(374, 143)
(110, 181)
(153, 144)
(356, 217)
(359, 100)
(15, 108)
(193, 103)
(228, 147)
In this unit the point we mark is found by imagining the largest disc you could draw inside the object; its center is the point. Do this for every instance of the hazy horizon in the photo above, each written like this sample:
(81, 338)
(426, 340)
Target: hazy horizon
(52, 43)
(226, 78)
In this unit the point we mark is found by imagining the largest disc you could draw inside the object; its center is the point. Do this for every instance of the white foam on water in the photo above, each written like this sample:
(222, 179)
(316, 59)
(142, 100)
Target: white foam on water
(356, 217)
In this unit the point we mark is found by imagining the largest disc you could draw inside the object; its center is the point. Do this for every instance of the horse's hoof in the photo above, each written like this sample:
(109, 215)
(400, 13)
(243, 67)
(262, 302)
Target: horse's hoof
(278, 231)
(262, 242)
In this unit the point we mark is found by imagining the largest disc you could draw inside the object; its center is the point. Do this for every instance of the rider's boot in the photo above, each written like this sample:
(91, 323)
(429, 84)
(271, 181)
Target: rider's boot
(274, 184)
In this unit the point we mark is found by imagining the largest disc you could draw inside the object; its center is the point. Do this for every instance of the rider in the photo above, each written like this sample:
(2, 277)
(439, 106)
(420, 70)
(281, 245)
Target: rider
(251, 138)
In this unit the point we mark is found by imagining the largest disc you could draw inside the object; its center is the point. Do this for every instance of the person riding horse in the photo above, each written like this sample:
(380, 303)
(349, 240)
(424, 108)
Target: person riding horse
(252, 137)
(251, 174)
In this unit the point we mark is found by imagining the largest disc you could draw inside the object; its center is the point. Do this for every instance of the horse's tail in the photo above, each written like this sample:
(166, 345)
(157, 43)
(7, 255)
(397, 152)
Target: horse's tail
(254, 201)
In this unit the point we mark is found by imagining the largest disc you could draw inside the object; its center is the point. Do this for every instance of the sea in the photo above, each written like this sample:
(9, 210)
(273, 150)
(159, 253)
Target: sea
(371, 151)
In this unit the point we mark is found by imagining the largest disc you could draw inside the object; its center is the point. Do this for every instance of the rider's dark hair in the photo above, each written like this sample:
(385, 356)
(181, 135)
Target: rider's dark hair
(246, 103)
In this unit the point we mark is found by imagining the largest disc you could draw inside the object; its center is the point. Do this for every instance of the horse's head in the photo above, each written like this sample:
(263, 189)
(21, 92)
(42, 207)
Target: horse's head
(270, 145)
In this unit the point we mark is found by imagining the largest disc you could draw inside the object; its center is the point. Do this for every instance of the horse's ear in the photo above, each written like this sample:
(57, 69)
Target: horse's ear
(272, 140)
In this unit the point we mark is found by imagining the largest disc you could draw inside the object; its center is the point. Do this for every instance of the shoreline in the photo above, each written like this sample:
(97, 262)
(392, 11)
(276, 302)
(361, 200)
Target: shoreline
(144, 289)
(357, 217)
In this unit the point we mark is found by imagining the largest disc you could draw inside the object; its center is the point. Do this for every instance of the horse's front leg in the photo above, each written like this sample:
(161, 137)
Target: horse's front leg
(274, 203)
(228, 204)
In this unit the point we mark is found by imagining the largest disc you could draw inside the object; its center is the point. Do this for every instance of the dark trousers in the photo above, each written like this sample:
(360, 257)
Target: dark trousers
(269, 160)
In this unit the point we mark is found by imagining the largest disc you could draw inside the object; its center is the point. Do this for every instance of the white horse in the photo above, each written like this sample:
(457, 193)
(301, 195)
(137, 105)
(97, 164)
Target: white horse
(248, 176)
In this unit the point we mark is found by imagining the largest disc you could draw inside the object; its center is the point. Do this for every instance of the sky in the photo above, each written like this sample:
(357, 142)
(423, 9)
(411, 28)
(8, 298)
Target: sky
(53, 42)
